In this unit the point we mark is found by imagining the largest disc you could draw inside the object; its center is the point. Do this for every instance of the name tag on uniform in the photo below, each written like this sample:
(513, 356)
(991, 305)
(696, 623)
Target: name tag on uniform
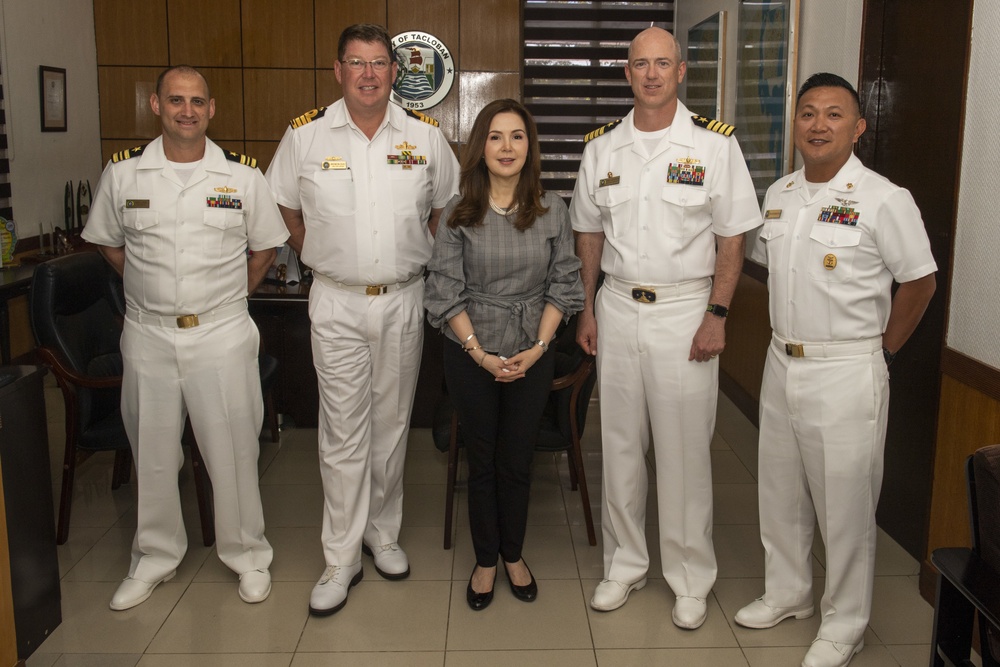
(772, 214)
(136, 203)
(610, 180)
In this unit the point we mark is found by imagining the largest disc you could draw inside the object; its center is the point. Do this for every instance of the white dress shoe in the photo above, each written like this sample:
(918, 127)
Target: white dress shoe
(611, 594)
(689, 612)
(329, 595)
(255, 586)
(759, 615)
(390, 560)
(132, 592)
(826, 653)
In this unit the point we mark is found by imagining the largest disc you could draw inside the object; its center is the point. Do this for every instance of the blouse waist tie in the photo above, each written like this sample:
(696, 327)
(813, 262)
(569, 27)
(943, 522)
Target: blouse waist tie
(525, 313)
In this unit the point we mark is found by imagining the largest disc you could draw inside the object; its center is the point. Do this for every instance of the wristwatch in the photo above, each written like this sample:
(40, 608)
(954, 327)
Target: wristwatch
(717, 310)
(542, 344)
(889, 356)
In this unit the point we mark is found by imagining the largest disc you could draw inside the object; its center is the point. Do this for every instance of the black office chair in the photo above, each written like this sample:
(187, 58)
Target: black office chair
(561, 428)
(77, 324)
(969, 579)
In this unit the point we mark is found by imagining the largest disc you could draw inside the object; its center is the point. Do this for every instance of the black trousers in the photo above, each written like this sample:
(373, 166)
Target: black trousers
(500, 423)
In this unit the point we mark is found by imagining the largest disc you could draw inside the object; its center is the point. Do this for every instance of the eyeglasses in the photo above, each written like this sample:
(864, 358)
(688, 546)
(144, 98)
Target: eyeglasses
(358, 65)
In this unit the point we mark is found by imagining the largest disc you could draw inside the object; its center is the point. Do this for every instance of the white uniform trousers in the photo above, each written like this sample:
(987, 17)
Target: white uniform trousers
(822, 437)
(209, 373)
(366, 350)
(646, 381)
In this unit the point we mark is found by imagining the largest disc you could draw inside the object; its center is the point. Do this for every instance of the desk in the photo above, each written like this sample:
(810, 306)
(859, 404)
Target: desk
(281, 314)
(15, 281)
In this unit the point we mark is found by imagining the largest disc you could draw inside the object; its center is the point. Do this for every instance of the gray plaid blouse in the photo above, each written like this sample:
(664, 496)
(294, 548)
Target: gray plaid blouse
(502, 277)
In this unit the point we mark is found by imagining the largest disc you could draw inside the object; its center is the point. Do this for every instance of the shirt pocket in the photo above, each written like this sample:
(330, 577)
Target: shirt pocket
(140, 220)
(772, 236)
(410, 190)
(330, 193)
(688, 209)
(832, 249)
(615, 202)
(142, 232)
(224, 232)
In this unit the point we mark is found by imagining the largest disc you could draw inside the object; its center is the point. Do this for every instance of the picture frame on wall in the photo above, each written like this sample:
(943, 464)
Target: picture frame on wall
(52, 93)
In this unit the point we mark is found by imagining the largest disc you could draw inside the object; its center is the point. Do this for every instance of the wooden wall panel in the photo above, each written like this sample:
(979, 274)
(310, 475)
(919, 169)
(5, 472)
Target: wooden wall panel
(497, 49)
(748, 333)
(204, 33)
(131, 32)
(125, 111)
(477, 89)
(327, 89)
(227, 89)
(263, 151)
(332, 16)
(278, 34)
(274, 97)
(437, 17)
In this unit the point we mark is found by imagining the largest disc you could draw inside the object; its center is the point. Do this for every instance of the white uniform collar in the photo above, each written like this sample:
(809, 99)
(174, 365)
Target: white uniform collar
(681, 129)
(339, 116)
(846, 180)
(214, 159)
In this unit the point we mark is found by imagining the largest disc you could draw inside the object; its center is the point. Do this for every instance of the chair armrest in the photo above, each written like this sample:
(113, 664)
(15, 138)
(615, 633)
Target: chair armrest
(61, 369)
(975, 579)
(578, 375)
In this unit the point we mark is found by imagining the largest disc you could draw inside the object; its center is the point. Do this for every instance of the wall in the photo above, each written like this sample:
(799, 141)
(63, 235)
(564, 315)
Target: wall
(274, 61)
(57, 34)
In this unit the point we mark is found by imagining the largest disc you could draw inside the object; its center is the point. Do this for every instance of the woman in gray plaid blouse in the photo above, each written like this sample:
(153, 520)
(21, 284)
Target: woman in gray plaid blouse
(502, 276)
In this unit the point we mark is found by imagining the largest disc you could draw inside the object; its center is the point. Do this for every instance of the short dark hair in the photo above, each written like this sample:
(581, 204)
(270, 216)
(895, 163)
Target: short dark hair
(828, 80)
(181, 69)
(369, 33)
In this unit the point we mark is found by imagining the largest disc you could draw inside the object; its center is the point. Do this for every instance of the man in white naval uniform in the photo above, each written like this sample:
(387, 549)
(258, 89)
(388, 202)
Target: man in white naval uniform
(662, 202)
(361, 185)
(176, 218)
(835, 237)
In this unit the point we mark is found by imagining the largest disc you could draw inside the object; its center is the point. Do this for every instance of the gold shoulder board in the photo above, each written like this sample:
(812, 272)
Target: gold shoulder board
(601, 130)
(242, 159)
(422, 117)
(126, 154)
(714, 125)
(307, 118)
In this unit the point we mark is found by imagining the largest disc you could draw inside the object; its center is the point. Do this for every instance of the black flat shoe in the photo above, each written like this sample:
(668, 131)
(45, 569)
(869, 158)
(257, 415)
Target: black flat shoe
(478, 601)
(526, 593)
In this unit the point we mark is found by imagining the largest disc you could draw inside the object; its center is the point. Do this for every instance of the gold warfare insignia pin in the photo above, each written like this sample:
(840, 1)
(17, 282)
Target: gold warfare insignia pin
(610, 180)
(405, 146)
(225, 190)
(136, 203)
(830, 262)
(334, 163)
(772, 214)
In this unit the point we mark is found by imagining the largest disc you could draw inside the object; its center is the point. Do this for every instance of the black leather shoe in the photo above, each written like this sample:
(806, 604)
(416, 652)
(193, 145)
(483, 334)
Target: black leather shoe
(523, 593)
(478, 601)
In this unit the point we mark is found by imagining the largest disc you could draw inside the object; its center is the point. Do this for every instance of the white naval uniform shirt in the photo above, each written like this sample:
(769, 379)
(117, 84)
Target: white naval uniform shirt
(185, 244)
(366, 223)
(656, 232)
(830, 281)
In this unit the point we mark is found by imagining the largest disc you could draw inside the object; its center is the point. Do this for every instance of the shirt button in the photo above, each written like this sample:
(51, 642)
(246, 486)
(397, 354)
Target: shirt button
(376, 261)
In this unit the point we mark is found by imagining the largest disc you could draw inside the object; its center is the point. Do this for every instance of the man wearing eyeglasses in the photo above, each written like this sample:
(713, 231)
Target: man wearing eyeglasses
(661, 205)
(361, 185)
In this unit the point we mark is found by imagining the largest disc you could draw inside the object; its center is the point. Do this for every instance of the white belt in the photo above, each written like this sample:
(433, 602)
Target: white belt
(649, 293)
(186, 321)
(848, 348)
(368, 290)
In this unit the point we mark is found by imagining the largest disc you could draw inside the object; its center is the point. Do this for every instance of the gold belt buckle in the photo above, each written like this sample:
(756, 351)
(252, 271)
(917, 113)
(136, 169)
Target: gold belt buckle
(644, 294)
(375, 290)
(794, 350)
(187, 321)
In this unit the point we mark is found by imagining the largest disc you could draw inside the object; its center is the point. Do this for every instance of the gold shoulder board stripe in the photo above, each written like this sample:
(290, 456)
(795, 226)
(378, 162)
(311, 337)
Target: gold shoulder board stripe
(601, 130)
(307, 118)
(126, 154)
(714, 125)
(422, 117)
(242, 159)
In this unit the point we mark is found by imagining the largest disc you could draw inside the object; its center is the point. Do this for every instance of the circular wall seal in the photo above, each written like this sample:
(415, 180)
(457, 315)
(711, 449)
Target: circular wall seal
(426, 70)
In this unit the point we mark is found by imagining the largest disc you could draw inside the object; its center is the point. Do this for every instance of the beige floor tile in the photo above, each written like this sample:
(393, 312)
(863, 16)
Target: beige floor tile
(735, 504)
(551, 658)
(211, 618)
(81, 540)
(89, 626)
(382, 659)
(912, 654)
(39, 659)
(293, 466)
(718, 442)
(424, 546)
(727, 468)
(384, 616)
(96, 660)
(899, 614)
(288, 505)
(645, 622)
(738, 432)
(425, 466)
(95, 504)
(589, 559)
(871, 656)
(230, 660)
(738, 551)
(423, 505)
(556, 620)
(689, 657)
(892, 559)
(298, 556)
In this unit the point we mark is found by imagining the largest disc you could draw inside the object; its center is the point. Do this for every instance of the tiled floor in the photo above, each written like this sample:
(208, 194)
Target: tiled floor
(198, 619)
